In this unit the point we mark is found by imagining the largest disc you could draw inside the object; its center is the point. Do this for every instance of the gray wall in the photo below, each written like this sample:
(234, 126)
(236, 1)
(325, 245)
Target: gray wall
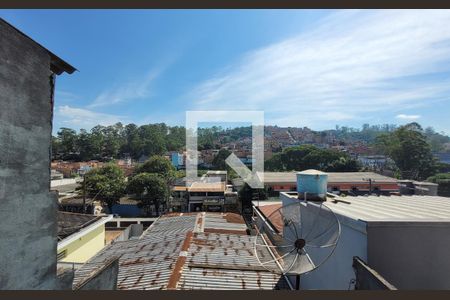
(337, 271)
(27, 209)
(104, 278)
(411, 255)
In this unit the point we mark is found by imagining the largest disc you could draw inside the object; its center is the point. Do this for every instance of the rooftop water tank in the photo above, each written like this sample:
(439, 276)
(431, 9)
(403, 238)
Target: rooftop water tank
(312, 184)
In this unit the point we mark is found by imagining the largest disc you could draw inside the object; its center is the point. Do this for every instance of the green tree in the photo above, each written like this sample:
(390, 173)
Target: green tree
(56, 148)
(106, 183)
(310, 157)
(153, 139)
(219, 160)
(150, 188)
(410, 150)
(67, 142)
(158, 165)
(443, 180)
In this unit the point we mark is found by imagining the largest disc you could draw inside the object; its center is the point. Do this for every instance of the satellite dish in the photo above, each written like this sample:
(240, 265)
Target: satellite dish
(297, 238)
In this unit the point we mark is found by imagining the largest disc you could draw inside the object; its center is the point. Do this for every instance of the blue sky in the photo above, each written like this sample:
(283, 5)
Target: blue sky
(314, 68)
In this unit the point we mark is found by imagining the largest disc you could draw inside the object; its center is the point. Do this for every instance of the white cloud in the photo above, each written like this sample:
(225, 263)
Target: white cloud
(83, 118)
(354, 64)
(137, 89)
(407, 117)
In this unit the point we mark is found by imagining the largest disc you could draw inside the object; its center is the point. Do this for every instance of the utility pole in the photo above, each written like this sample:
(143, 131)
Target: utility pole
(84, 192)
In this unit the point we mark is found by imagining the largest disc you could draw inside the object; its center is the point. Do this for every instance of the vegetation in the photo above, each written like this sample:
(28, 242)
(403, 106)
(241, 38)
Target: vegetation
(219, 160)
(443, 179)
(106, 184)
(310, 157)
(107, 142)
(118, 140)
(151, 189)
(409, 149)
(158, 165)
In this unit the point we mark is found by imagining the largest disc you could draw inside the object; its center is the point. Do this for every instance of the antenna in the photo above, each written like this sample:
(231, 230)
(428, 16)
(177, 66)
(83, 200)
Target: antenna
(297, 238)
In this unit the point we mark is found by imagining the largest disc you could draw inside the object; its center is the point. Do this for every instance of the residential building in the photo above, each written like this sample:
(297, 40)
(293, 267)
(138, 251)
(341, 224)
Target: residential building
(189, 251)
(205, 195)
(403, 238)
(222, 175)
(80, 236)
(177, 160)
(28, 215)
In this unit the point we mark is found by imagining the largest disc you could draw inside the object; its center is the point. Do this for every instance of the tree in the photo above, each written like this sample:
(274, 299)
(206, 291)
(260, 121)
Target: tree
(106, 183)
(158, 165)
(67, 142)
(310, 157)
(219, 160)
(150, 188)
(153, 139)
(410, 150)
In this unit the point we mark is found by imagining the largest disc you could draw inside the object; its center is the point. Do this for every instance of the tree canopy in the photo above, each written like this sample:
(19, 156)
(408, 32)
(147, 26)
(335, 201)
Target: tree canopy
(310, 157)
(106, 183)
(151, 188)
(158, 165)
(409, 149)
(219, 160)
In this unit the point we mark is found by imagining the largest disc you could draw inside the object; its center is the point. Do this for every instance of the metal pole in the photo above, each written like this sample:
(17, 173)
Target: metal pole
(84, 192)
(297, 282)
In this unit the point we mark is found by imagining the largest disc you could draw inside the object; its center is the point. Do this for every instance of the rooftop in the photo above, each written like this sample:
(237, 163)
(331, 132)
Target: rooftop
(212, 172)
(69, 223)
(189, 251)
(406, 208)
(333, 177)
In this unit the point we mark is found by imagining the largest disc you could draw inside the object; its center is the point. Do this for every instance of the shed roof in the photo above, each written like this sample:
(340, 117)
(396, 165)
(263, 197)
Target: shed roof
(188, 251)
(69, 223)
(413, 208)
(207, 187)
(333, 177)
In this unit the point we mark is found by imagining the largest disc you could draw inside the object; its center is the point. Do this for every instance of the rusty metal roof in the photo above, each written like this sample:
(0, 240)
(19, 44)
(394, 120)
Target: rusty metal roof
(188, 251)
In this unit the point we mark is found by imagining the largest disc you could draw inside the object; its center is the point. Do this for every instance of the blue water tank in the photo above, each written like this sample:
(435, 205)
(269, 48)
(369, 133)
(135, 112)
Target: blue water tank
(313, 184)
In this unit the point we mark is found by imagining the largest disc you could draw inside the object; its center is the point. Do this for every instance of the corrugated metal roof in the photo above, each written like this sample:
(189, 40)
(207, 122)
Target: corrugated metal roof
(207, 187)
(180, 243)
(393, 208)
(333, 177)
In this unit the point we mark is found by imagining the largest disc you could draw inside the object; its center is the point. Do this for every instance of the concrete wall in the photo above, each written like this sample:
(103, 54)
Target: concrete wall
(337, 271)
(82, 249)
(104, 278)
(411, 255)
(27, 208)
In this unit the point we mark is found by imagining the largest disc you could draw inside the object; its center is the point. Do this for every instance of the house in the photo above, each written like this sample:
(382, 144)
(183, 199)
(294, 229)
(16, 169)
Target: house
(80, 236)
(189, 251)
(403, 238)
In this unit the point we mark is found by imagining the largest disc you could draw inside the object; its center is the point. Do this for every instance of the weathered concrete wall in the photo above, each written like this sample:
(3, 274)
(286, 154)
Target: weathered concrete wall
(411, 255)
(27, 208)
(105, 278)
